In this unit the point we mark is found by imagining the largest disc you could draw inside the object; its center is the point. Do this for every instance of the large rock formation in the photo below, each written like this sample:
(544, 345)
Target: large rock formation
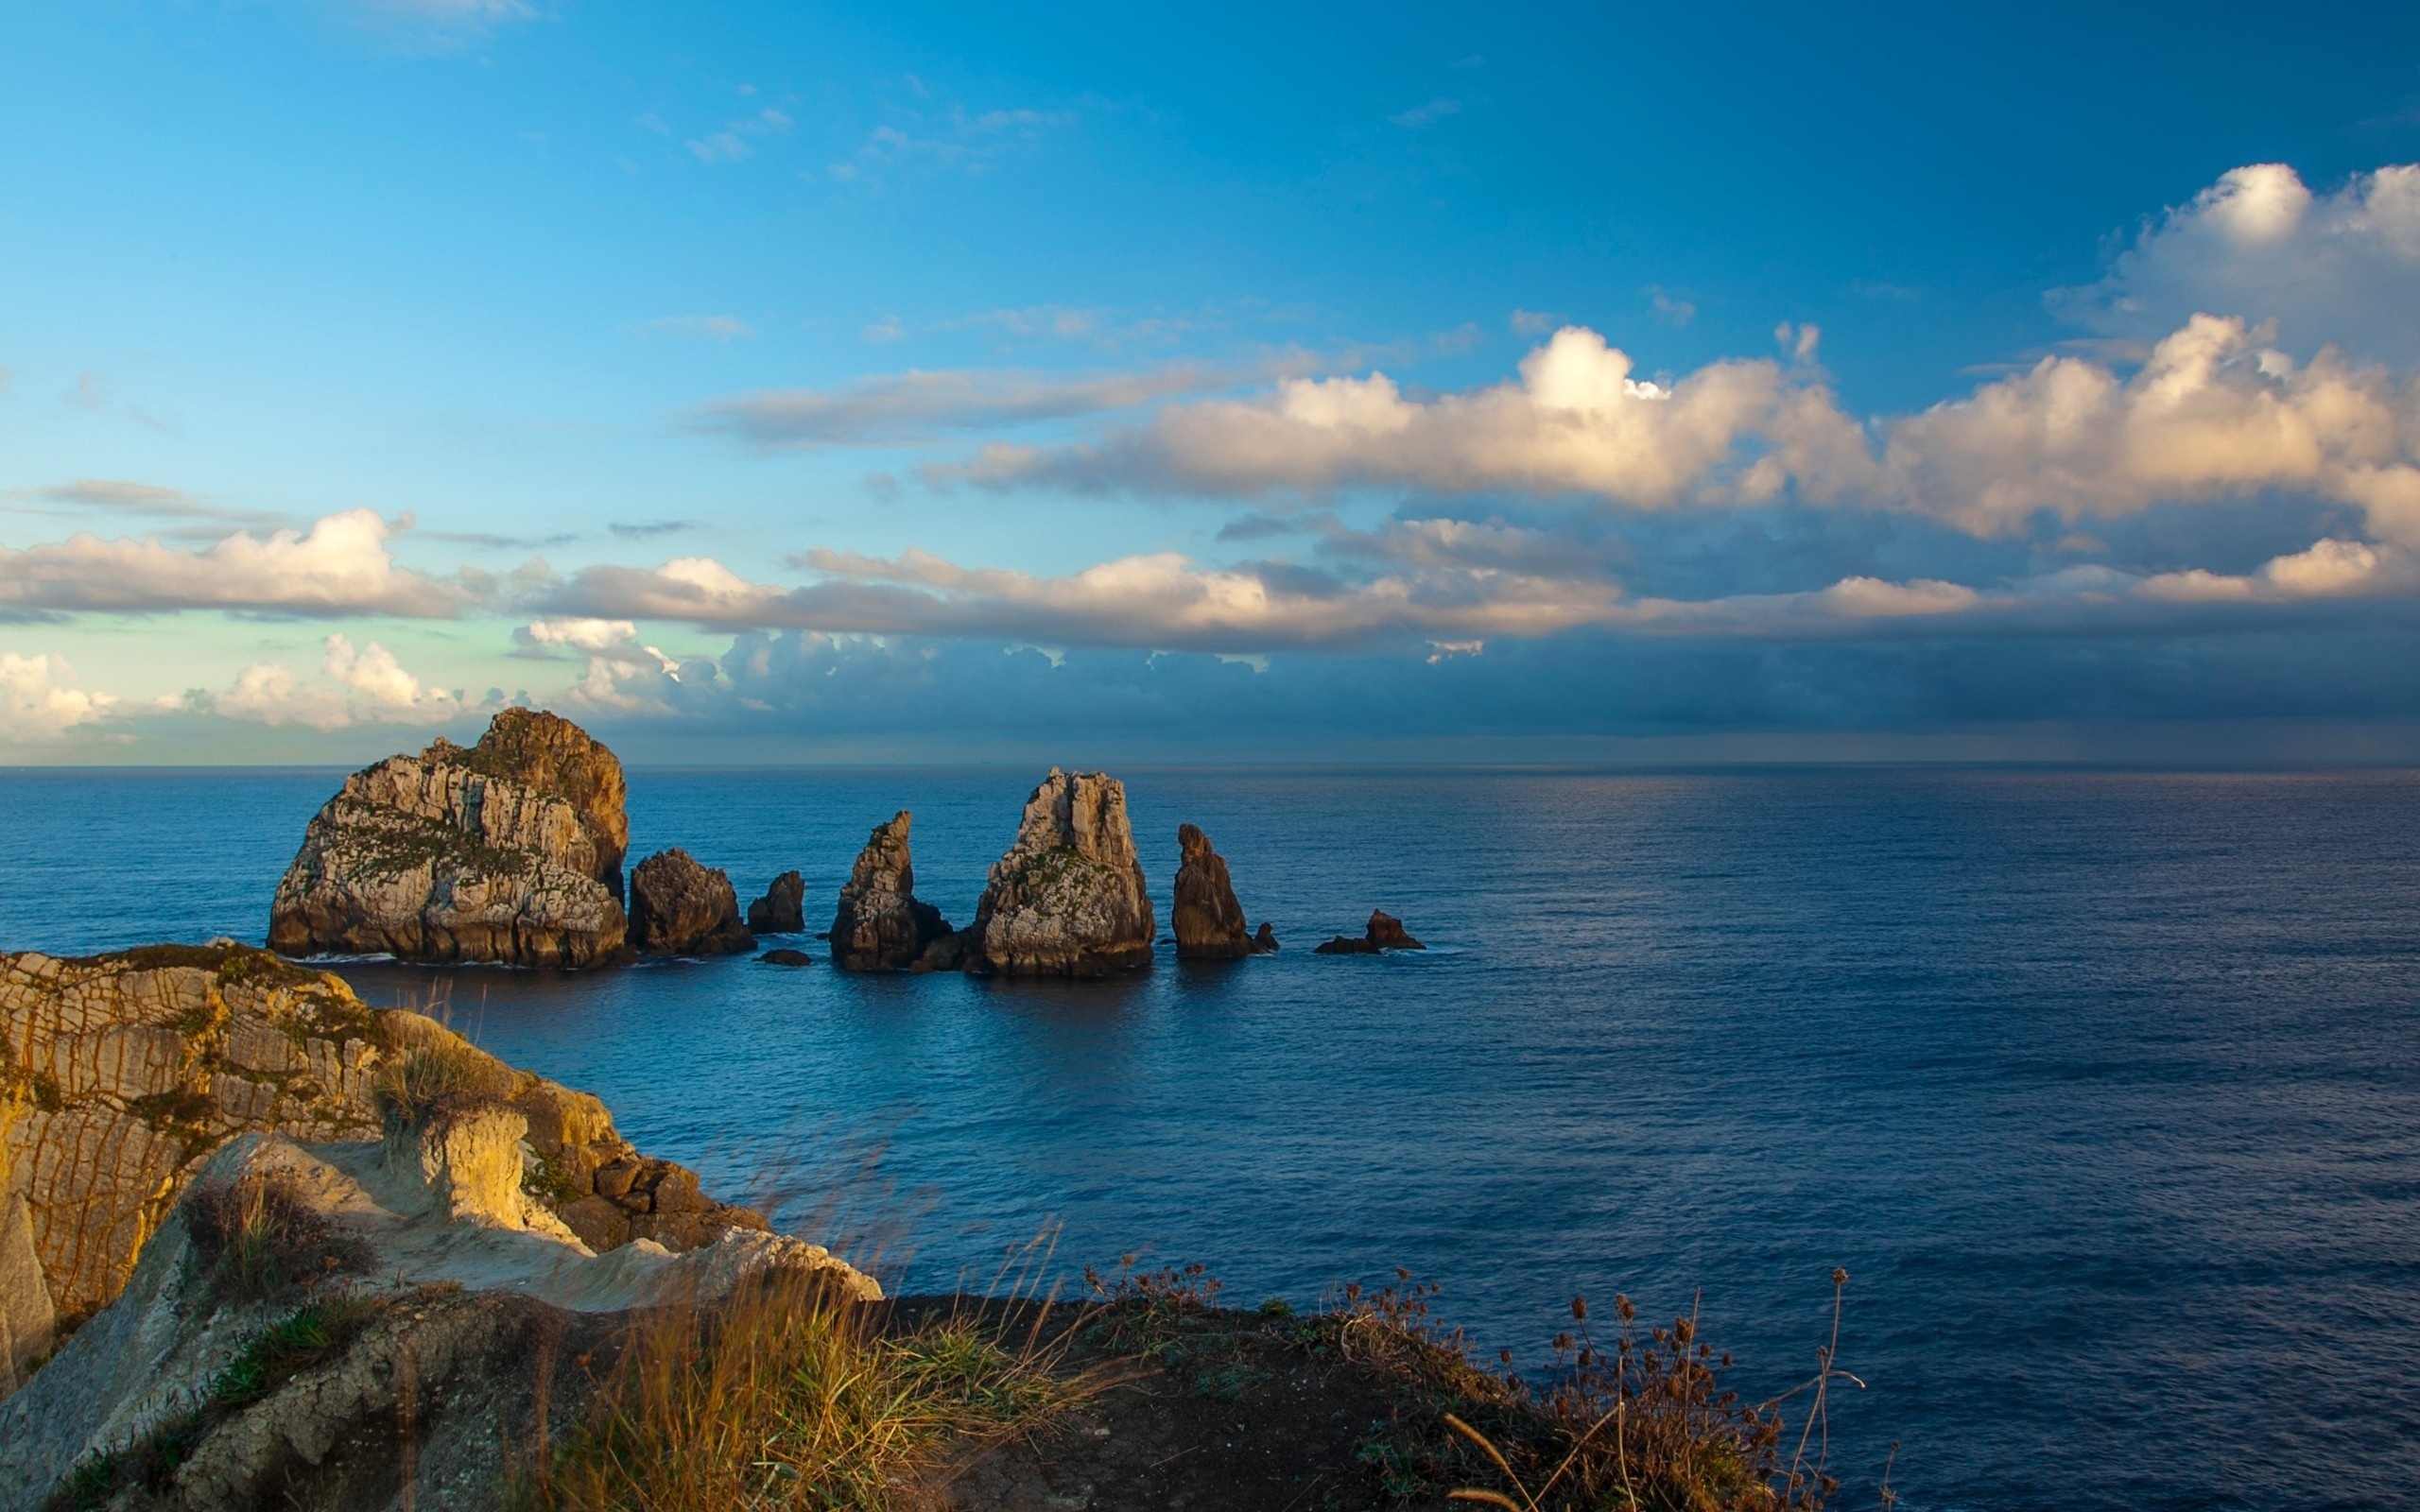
(783, 909)
(508, 851)
(880, 926)
(679, 908)
(452, 1313)
(120, 1075)
(1385, 931)
(1209, 922)
(1068, 899)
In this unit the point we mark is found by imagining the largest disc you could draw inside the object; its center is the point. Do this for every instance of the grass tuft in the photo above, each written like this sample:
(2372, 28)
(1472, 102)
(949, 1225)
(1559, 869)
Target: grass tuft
(258, 1241)
(791, 1394)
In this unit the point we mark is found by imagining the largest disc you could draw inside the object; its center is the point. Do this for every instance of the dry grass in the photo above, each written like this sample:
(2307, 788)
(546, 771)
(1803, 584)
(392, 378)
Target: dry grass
(258, 1240)
(1648, 1424)
(791, 1394)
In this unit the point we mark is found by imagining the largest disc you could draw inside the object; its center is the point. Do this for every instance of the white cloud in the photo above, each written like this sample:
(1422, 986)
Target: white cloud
(2214, 413)
(363, 685)
(577, 634)
(1577, 422)
(2339, 268)
(38, 703)
(918, 404)
(340, 566)
(1531, 322)
(2327, 569)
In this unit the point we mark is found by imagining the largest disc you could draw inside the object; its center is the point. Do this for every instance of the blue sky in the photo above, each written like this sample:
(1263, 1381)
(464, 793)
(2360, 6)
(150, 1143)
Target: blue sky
(761, 382)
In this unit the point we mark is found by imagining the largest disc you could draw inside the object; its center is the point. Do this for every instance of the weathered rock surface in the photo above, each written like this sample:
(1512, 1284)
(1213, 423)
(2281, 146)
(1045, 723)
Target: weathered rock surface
(1385, 933)
(1209, 922)
(783, 909)
(508, 851)
(787, 957)
(120, 1075)
(679, 908)
(1068, 899)
(473, 1309)
(880, 926)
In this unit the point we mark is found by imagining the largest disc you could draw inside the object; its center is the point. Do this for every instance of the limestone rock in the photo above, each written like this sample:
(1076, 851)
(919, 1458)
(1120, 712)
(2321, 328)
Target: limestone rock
(466, 1332)
(1069, 897)
(787, 957)
(550, 753)
(95, 1157)
(783, 909)
(1209, 922)
(1264, 941)
(510, 850)
(1385, 933)
(880, 926)
(26, 1317)
(679, 908)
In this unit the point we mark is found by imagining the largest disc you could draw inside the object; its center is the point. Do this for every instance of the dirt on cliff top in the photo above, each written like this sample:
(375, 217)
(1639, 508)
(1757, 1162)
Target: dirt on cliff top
(1214, 1410)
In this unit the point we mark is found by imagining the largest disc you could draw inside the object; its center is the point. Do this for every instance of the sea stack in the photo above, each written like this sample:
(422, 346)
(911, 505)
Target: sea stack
(783, 909)
(880, 926)
(1068, 899)
(679, 908)
(510, 850)
(1209, 922)
(1385, 933)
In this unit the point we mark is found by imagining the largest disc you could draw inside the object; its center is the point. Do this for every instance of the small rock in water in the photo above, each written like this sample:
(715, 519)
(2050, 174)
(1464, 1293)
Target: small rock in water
(783, 909)
(1385, 933)
(1265, 943)
(679, 908)
(787, 957)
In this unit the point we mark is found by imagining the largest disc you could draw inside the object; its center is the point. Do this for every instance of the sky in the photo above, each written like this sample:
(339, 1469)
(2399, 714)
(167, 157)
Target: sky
(769, 383)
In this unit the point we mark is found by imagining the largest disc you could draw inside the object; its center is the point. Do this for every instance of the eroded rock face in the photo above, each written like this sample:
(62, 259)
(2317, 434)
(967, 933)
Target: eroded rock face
(462, 1299)
(508, 851)
(1385, 931)
(550, 753)
(123, 1073)
(783, 909)
(880, 926)
(1209, 922)
(679, 908)
(1068, 899)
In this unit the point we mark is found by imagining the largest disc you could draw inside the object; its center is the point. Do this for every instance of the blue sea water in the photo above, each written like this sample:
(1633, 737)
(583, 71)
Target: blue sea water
(2104, 1087)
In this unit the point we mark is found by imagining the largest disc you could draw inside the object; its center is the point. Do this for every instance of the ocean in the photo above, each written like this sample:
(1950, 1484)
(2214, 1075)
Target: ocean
(2103, 1086)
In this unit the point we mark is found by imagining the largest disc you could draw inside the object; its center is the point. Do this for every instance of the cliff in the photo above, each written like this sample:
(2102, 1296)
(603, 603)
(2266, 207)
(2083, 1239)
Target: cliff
(172, 1112)
(510, 850)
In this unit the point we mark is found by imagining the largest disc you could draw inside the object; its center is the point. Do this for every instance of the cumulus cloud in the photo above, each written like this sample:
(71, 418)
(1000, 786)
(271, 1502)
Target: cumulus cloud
(356, 685)
(2339, 268)
(37, 703)
(2214, 412)
(916, 406)
(339, 566)
(1577, 422)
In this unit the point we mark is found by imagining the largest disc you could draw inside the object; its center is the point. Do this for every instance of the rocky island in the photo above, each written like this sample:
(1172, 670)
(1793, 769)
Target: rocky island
(1384, 932)
(510, 850)
(1068, 899)
(680, 907)
(880, 925)
(1209, 922)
